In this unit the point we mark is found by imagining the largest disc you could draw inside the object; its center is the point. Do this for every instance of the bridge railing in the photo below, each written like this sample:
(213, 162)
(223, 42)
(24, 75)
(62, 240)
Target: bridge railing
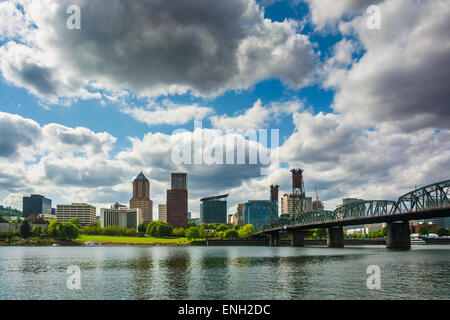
(436, 195)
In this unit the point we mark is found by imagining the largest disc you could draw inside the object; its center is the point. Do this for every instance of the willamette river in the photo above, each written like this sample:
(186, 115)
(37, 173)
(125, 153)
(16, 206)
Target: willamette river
(224, 272)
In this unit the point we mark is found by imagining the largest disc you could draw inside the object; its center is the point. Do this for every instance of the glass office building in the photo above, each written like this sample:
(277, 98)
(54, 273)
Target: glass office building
(258, 212)
(214, 209)
(36, 204)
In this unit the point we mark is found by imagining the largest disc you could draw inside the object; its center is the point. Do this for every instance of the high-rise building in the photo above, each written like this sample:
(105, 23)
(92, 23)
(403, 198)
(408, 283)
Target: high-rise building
(177, 201)
(257, 213)
(240, 214)
(121, 217)
(84, 212)
(317, 205)
(162, 212)
(36, 204)
(214, 209)
(141, 198)
(287, 204)
(179, 181)
(177, 208)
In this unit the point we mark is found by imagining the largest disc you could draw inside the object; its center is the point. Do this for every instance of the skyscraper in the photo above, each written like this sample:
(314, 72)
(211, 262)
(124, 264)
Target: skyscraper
(214, 209)
(36, 204)
(177, 201)
(179, 181)
(141, 198)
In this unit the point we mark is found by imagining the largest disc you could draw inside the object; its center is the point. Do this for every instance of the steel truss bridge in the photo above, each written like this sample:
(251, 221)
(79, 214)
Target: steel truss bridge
(431, 201)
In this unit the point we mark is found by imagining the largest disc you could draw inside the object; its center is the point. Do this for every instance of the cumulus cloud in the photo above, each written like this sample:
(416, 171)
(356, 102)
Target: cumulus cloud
(16, 133)
(327, 13)
(400, 79)
(152, 47)
(168, 113)
(258, 116)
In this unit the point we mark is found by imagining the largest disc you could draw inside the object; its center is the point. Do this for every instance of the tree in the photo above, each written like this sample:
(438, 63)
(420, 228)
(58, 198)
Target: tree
(69, 231)
(321, 233)
(441, 232)
(423, 230)
(25, 230)
(10, 235)
(37, 231)
(159, 229)
(55, 229)
(193, 233)
(75, 221)
(222, 227)
(231, 234)
(246, 231)
(142, 228)
(192, 224)
(179, 232)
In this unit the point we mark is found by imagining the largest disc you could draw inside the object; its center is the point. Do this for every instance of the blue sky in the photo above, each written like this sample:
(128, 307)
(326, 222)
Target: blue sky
(91, 103)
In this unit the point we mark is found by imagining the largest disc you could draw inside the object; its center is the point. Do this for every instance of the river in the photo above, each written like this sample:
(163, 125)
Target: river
(224, 272)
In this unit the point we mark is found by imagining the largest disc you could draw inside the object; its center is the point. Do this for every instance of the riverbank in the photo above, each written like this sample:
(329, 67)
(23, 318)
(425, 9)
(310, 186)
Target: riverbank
(133, 241)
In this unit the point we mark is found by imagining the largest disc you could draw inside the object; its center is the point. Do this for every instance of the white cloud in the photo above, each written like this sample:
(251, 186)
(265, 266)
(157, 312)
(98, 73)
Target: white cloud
(200, 47)
(168, 113)
(400, 79)
(257, 116)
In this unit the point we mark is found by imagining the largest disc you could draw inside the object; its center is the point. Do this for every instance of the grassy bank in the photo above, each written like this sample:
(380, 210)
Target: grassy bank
(133, 240)
(37, 242)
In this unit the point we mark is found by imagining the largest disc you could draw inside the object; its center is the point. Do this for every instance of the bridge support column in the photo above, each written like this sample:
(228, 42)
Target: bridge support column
(274, 239)
(297, 239)
(398, 235)
(335, 237)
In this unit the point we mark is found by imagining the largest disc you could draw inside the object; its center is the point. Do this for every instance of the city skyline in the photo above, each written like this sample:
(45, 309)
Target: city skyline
(352, 106)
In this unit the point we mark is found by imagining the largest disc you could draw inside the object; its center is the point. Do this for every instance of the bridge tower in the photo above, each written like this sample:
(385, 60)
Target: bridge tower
(298, 193)
(273, 203)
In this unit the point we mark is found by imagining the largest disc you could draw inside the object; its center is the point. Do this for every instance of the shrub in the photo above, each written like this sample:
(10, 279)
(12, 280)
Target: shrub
(193, 233)
(159, 229)
(231, 234)
(179, 232)
(246, 231)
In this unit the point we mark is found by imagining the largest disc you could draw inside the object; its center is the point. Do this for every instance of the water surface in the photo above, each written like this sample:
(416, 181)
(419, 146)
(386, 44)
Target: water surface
(224, 272)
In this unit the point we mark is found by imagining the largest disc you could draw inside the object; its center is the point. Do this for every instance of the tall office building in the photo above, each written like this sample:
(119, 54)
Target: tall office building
(177, 201)
(240, 214)
(179, 181)
(141, 198)
(257, 213)
(36, 204)
(162, 212)
(214, 209)
(84, 212)
(287, 204)
(121, 217)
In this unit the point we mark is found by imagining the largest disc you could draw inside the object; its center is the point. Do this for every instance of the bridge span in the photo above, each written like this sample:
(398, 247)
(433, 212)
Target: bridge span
(431, 201)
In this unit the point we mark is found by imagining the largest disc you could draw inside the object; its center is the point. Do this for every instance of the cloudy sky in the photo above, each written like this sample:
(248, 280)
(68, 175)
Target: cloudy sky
(363, 110)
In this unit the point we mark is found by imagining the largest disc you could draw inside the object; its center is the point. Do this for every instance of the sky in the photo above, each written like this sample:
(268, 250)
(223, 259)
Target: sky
(358, 91)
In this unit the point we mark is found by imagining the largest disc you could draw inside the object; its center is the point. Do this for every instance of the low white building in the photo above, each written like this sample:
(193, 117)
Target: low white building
(123, 217)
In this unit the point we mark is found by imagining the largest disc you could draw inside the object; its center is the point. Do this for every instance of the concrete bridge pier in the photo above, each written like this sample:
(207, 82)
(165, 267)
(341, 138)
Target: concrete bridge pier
(274, 238)
(297, 238)
(335, 237)
(398, 235)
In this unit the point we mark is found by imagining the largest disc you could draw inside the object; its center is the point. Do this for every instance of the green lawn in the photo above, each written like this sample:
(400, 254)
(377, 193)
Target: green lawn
(131, 240)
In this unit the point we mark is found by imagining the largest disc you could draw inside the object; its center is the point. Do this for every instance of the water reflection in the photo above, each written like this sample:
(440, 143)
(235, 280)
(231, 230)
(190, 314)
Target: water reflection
(224, 273)
(176, 267)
